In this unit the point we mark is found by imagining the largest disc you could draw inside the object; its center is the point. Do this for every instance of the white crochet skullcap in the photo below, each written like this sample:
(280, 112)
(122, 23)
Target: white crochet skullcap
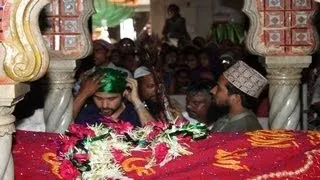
(245, 78)
(141, 71)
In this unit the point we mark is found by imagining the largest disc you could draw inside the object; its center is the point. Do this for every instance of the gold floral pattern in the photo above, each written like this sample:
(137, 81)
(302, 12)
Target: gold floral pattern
(51, 158)
(274, 139)
(131, 164)
(231, 160)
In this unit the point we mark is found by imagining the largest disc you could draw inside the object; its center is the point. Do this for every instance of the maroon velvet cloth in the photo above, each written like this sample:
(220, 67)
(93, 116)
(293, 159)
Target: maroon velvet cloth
(283, 154)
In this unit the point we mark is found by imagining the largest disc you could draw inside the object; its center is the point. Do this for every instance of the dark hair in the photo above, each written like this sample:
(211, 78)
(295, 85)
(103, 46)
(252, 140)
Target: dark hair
(246, 100)
(126, 39)
(203, 86)
(174, 8)
(182, 69)
(105, 45)
(190, 50)
(199, 41)
(84, 65)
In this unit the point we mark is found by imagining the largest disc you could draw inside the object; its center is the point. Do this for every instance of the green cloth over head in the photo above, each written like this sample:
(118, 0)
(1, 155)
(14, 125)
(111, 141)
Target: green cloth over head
(113, 81)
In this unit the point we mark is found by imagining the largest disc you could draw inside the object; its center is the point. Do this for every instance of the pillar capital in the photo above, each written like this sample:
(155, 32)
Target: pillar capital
(12, 93)
(286, 70)
(61, 74)
(280, 28)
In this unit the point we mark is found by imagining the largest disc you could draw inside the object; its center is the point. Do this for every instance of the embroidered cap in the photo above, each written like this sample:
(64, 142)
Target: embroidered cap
(141, 71)
(245, 78)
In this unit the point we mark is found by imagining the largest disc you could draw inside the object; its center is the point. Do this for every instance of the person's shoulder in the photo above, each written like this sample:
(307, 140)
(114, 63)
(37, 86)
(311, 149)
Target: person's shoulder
(130, 115)
(250, 122)
(240, 125)
(88, 114)
(129, 111)
(251, 115)
(90, 106)
(129, 106)
(181, 19)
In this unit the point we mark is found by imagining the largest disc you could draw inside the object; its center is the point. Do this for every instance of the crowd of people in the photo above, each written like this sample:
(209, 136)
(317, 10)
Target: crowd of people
(223, 86)
(132, 81)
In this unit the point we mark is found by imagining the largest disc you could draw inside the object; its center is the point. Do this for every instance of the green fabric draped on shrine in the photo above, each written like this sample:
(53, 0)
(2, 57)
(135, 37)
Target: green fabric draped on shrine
(113, 13)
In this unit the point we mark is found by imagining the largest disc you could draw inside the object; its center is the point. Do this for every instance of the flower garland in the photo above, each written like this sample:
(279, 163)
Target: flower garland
(95, 152)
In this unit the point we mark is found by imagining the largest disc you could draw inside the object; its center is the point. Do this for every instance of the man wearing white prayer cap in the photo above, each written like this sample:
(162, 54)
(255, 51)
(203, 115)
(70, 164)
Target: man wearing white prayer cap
(235, 87)
(147, 90)
(146, 84)
(141, 72)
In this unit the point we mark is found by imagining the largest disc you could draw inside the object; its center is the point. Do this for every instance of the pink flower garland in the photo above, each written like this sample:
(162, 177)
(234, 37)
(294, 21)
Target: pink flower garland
(161, 151)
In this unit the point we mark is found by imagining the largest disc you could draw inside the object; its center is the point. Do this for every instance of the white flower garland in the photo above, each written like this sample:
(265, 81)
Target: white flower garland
(105, 141)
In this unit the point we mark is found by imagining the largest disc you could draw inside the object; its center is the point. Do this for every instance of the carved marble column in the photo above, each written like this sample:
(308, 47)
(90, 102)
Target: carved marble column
(284, 74)
(23, 57)
(59, 101)
(68, 39)
(282, 32)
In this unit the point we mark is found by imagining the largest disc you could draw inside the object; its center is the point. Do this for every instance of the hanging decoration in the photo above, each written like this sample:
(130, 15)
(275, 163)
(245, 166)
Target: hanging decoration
(112, 12)
(234, 32)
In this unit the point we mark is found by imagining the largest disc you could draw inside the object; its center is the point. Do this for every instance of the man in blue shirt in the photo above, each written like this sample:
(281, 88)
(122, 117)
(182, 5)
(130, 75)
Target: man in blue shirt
(110, 89)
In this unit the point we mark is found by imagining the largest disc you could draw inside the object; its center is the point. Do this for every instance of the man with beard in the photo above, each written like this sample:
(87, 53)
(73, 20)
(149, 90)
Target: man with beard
(147, 91)
(199, 105)
(108, 87)
(235, 89)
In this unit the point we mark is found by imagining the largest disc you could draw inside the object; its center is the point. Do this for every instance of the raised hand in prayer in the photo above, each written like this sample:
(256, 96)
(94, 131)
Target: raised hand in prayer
(87, 88)
(131, 92)
(90, 85)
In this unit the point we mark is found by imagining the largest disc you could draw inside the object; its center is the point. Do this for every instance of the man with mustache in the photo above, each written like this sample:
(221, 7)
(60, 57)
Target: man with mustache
(146, 83)
(199, 106)
(236, 87)
(109, 89)
(148, 91)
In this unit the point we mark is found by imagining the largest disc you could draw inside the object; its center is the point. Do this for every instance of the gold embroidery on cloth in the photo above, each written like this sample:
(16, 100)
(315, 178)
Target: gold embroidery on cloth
(129, 165)
(314, 137)
(230, 160)
(51, 158)
(275, 139)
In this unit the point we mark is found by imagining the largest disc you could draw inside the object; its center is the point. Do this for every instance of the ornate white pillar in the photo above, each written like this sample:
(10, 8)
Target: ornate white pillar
(282, 32)
(10, 94)
(59, 101)
(284, 74)
(23, 57)
(68, 39)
